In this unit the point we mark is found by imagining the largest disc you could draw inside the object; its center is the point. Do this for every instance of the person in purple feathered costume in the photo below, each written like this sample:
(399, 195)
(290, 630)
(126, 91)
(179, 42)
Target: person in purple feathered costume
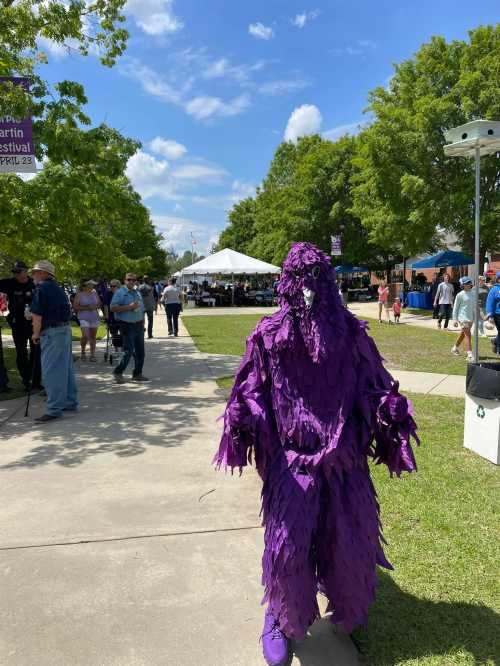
(311, 403)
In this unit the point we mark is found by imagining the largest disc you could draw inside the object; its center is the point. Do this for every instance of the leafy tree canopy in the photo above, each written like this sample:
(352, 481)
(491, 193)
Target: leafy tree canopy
(405, 190)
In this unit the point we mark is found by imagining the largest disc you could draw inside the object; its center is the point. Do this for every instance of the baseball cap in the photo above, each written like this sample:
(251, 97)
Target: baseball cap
(115, 283)
(44, 265)
(18, 267)
(465, 280)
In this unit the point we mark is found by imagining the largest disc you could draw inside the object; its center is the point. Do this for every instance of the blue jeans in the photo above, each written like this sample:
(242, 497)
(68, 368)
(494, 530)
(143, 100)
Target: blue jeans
(173, 311)
(58, 375)
(133, 345)
(496, 318)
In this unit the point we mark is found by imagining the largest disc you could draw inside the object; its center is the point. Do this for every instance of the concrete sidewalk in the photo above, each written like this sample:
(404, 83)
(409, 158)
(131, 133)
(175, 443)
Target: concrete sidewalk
(120, 544)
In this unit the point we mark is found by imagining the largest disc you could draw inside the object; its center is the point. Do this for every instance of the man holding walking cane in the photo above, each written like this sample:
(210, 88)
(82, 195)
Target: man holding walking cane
(51, 329)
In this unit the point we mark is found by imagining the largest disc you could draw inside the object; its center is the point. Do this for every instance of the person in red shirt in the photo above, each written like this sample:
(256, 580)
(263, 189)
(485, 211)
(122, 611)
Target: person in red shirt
(396, 309)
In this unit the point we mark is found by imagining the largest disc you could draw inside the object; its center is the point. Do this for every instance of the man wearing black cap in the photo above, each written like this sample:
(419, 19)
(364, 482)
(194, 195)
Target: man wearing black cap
(19, 291)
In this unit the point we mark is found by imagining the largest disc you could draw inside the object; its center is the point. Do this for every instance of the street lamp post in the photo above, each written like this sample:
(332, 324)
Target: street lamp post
(477, 138)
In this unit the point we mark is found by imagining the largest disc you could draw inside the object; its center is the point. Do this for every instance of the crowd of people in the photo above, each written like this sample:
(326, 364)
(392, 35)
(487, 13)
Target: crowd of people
(456, 305)
(40, 312)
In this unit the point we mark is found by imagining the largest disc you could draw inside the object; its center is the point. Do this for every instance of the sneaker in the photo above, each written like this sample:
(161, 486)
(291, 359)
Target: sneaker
(275, 645)
(119, 379)
(470, 356)
(454, 350)
(140, 378)
(46, 418)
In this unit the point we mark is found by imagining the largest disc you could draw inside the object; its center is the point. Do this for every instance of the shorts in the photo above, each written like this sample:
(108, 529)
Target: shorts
(84, 323)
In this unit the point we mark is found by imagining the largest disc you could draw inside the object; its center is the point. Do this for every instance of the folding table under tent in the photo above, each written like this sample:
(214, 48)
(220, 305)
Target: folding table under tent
(230, 262)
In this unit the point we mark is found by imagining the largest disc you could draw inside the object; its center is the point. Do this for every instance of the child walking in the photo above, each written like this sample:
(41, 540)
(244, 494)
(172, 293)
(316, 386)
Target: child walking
(463, 314)
(396, 310)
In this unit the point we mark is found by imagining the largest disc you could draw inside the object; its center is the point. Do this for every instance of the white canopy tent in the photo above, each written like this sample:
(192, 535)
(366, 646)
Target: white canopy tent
(229, 262)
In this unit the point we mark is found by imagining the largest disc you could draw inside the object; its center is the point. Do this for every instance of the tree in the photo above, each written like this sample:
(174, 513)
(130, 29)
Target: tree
(240, 232)
(405, 191)
(305, 197)
(82, 212)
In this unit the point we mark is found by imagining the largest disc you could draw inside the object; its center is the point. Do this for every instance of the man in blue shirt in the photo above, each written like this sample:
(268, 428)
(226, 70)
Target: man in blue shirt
(128, 309)
(51, 316)
(493, 311)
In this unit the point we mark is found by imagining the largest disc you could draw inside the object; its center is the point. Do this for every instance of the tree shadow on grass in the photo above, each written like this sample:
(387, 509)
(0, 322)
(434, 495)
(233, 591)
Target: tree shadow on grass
(402, 627)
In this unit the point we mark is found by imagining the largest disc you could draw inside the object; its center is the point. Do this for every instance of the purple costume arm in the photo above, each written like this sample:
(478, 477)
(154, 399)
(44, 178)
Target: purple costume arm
(246, 419)
(389, 414)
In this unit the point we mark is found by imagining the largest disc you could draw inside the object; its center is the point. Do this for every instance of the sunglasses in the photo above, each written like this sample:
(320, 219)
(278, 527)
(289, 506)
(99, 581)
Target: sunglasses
(131, 280)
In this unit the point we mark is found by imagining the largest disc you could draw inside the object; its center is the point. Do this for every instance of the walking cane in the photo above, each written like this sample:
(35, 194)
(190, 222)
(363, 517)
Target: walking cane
(36, 351)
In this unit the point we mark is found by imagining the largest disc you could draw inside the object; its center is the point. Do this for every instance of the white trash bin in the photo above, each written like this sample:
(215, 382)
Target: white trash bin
(482, 411)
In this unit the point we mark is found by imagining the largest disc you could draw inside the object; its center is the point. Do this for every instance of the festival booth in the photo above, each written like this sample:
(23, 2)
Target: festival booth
(230, 264)
(355, 293)
(424, 299)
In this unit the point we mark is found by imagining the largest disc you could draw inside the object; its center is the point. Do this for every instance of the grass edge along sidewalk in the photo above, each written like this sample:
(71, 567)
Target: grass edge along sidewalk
(404, 347)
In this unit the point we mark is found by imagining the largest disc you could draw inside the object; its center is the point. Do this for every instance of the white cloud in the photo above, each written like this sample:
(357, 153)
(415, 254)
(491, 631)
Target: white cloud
(241, 190)
(341, 130)
(151, 82)
(59, 51)
(300, 20)
(305, 120)
(168, 148)
(151, 177)
(202, 107)
(260, 31)
(360, 48)
(283, 86)
(177, 232)
(155, 17)
(205, 107)
(199, 172)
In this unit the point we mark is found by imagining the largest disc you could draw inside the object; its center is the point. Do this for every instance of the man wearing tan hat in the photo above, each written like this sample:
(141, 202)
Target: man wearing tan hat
(51, 328)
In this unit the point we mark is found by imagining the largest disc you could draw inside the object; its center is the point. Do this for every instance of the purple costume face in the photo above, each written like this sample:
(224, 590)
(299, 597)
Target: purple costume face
(308, 291)
(307, 267)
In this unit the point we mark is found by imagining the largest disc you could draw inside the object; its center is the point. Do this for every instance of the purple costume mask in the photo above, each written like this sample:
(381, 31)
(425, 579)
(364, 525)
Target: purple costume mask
(311, 402)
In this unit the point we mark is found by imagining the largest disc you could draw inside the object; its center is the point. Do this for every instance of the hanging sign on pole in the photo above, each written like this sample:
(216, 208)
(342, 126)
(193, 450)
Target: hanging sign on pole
(336, 246)
(17, 151)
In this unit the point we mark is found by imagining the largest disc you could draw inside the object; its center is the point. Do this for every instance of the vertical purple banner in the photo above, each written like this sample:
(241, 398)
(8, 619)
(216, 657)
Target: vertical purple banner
(17, 151)
(336, 246)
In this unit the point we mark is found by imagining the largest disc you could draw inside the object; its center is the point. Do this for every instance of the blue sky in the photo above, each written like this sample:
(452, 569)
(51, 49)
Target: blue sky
(211, 88)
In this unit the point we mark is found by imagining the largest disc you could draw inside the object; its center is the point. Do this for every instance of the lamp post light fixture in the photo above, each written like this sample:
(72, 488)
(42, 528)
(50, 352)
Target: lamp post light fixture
(474, 139)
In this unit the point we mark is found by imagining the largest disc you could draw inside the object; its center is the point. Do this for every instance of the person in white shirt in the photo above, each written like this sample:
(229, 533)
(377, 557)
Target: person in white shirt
(171, 299)
(445, 295)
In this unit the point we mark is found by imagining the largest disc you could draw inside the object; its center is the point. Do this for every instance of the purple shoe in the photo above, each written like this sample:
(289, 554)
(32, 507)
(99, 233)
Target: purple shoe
(275, 645)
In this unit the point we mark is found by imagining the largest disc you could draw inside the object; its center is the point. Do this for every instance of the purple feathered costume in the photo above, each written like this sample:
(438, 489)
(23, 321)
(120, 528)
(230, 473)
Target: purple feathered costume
(312, 401)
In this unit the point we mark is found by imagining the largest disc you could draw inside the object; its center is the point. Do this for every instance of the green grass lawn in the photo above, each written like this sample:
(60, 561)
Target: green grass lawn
(404, 347)
(442, 527)
(438, 608)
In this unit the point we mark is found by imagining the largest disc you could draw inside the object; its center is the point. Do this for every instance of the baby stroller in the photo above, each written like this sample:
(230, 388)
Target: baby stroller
(114, 350)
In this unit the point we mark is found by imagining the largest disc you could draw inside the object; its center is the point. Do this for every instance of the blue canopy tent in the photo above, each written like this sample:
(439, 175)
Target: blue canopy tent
(349, 268)
(444, 258)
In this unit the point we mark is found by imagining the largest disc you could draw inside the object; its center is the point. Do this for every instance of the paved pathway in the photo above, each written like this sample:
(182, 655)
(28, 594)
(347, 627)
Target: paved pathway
(120, 545)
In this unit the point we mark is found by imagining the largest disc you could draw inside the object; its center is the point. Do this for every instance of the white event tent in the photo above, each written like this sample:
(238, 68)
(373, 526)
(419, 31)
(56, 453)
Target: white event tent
(229, 262)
